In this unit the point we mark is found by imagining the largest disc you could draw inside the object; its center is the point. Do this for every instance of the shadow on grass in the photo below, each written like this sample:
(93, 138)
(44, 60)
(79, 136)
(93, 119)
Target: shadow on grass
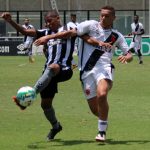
(60, 142)
(57, 142)
(129, 142)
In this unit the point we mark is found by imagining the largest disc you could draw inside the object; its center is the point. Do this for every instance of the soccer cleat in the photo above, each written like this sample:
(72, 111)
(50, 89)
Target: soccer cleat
(53, 132)
(141, 62)
(74, 66)
(31, 59)
(17, 103)
(101, 137)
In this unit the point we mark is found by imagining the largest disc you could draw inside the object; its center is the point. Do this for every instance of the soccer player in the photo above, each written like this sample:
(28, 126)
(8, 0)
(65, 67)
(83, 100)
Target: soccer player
(28, 40)
(57, 67)
(137, 32)
(96, 68)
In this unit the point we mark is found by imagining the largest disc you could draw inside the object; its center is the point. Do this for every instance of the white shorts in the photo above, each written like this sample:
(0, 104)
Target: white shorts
(135, 45)
(91, 78)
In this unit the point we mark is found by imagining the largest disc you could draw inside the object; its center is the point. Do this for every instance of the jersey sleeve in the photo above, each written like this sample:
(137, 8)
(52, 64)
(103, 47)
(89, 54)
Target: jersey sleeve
(40, 33)
(84, 27)
(122, 44)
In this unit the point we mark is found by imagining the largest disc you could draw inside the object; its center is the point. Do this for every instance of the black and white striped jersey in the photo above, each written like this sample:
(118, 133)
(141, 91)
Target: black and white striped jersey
(28, 38)
(59, 51)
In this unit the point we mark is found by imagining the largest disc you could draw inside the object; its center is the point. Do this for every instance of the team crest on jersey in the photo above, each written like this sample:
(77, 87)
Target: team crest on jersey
(87, 91)
(113, 39)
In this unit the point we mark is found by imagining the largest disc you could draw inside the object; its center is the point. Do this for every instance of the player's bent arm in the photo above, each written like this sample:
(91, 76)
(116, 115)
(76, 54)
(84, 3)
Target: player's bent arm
(95, 42)
(7, 17)
(59, 35)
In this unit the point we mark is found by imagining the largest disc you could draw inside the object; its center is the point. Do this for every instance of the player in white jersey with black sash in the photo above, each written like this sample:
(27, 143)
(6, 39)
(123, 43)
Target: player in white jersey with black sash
(57, 67)
(28, 40)
(137, 32)
(96, 69)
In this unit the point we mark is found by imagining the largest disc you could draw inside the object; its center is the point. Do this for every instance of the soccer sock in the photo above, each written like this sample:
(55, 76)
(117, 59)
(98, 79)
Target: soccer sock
(102, 125)
(139, 55)
(44, 80)
(50, 115)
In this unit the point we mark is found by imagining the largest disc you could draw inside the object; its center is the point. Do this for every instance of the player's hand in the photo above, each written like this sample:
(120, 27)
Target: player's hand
(129, 34)
(134, 33)
(122, 59)
(6, 16)
(106, 45)
(41, 41)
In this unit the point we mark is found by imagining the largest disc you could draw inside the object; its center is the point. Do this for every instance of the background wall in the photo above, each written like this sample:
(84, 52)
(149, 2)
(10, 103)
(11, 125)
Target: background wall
(73, 4)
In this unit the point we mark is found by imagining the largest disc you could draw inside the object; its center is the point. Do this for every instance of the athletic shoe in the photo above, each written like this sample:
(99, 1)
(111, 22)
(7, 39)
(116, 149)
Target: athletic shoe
(53, 132)
(17, 103)
(141, 62)
(31, 59)
(74, 66)
(101, 137)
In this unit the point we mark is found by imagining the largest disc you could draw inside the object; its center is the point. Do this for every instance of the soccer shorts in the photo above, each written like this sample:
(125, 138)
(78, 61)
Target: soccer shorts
(51, 89)
(135, 45)
(91, 78)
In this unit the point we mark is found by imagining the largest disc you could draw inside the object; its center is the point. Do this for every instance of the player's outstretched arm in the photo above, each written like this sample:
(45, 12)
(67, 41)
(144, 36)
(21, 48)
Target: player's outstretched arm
(7, 17)
(60, 35)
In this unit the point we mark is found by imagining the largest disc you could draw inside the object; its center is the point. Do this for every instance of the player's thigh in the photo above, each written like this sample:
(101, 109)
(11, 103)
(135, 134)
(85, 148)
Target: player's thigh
(89, 86)
(64, 75)
(104, 85)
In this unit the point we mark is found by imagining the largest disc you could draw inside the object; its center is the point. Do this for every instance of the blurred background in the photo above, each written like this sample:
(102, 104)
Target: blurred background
(84, 9)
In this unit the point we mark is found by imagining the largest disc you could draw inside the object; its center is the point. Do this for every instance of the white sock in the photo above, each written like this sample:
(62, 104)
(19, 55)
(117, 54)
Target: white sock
(102, 125)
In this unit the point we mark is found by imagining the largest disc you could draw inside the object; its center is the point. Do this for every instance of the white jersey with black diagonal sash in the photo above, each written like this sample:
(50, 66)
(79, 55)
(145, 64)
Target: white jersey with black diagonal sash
(89, 55)
(137, 27)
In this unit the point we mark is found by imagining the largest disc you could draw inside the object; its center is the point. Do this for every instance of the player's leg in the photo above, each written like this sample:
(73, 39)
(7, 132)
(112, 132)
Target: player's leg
(46, 77)
(140, 56)
(47, 96)
(103, 87)
(138, 51)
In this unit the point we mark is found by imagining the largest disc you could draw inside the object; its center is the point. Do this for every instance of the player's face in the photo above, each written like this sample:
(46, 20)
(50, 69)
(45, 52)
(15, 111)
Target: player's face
(52, 23)
(136, 19)
(106, 18)
(26, 21)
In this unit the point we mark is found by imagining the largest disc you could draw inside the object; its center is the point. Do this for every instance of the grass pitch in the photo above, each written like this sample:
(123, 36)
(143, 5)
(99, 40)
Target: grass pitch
(129, 116)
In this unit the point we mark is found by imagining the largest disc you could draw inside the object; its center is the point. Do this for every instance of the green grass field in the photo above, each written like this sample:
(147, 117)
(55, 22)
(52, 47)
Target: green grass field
(129, 117)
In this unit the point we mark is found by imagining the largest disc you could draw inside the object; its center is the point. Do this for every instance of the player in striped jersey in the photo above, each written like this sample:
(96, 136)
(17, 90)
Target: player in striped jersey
(96, 69)
(57, 66)
(137, 32)
(28, 40)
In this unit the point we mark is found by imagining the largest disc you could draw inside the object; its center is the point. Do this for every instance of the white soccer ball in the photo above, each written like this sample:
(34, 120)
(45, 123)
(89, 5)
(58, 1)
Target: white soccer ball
(26, 96)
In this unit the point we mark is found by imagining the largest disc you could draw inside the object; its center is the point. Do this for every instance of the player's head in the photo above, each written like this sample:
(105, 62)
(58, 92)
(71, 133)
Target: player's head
(136, 18)
(107, 16)
(73, 17)
(52, 20)
(26, 21)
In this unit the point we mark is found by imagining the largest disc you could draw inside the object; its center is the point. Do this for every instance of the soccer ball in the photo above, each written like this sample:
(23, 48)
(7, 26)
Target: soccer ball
(26, 96)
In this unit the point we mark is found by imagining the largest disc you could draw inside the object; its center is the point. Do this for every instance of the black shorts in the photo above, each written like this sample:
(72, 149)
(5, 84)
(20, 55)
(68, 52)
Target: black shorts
(51, 89)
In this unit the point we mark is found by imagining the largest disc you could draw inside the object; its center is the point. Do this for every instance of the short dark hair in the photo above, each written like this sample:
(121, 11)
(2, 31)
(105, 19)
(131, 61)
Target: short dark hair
(112, 9)
(52, 13)
(73, 15)
(136, 16)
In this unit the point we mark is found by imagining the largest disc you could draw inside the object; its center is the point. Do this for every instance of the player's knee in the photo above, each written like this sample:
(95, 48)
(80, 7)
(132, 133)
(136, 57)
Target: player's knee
(55, 68)
(101, 94)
